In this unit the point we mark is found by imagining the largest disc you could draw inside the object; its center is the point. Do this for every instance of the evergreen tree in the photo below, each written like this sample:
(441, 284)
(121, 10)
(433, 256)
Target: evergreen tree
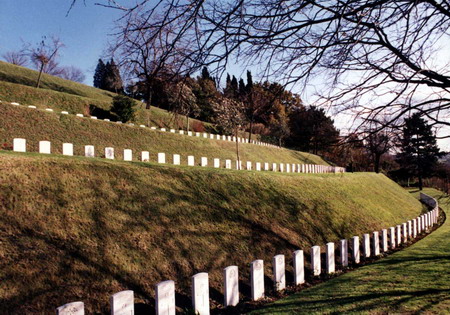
(242, 89)
(249, 85)
(207, 76)
(419, 151)
(123, 107)
(112, 79)
(99, 75)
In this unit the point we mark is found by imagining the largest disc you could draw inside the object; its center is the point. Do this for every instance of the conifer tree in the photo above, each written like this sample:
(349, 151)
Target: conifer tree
(112, 79)
(99, 75)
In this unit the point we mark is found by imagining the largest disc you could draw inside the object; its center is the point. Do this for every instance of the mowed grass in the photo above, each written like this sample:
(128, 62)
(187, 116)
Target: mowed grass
(415, 280)
(84, 228)
(37, 125)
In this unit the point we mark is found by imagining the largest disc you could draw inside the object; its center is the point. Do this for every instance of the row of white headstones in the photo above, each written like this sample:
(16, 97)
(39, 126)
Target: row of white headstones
(123, 302)
(181, 132)
(20, 145)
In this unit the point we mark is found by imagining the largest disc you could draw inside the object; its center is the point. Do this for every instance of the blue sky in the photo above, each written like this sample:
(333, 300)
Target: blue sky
(84, 31)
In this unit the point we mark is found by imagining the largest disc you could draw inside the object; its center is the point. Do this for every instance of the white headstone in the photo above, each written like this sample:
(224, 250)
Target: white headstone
(44, 147)
(181, 132)
(15, 103)
(74, 308)
(384, 240)
(216, 163)
(131, 124)
(122, 303)
(315, 260)
(258, 166)
(204, 161)
(142, 126)
(67, 149)
(31, 106)
(163, 129)
(191, 160)
(165, 298)
(127, 155)
(89, 151)
(414, 226)
(19, 145)
(419, 225)
(93, 117)
(356, 253)
(279, 272)
(145, 156)
(376, 243)
(65, 112)
(172, 130)
(205, 135)
(249, 165)
(281, 167)
(49, 110)
(109, 153)
(409, 228)
(229, 138)
(153, 128)
(231, 286)
(200, 293)
(398, 235)
(239, 165)
(176, 159)
(257, 279)
(274, 167)
(330, 260)
(288, 168)
(228, 164)
(79, 115)
(404, 232)
(266, 166)
(189, 133)
(392, 237)
(299, 267)
(217, 137)
(366, 245)
(344, 252)
(118, 122)
(161, 158)
(106, 119)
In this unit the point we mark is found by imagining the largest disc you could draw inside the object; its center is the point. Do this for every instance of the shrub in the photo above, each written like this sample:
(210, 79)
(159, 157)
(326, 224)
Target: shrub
(198, 126)
(123, 107)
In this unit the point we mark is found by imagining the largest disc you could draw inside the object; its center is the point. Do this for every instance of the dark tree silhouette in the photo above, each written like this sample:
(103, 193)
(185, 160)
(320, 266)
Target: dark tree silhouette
(99, 75)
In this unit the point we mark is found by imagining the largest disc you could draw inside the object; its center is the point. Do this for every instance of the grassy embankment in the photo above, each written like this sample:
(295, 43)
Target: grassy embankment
(413, 281)
(36, 125)
(82, 229)
(17, 84)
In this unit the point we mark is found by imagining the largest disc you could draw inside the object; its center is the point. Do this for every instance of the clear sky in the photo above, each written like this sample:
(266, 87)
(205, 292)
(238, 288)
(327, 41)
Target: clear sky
(84, 31)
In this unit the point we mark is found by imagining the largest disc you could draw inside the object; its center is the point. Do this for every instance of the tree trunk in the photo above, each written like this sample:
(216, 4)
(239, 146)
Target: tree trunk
(148, 98)
(187, 122)
(40, 75)
(251, 130)
(377, 163)
(237, 149)
(420, 182)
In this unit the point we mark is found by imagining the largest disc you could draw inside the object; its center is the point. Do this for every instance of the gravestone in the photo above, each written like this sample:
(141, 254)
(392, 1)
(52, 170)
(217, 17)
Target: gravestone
(392, 237)
(44, 147)
(279, 272)
(161, 158)
(229, 138)
(217, 137)
(122, 303)
(191, 160)
(409, 229)
(176, 159)
(205, 135)
(257, 279)
(119, 122)
(419, 225)
(376, 243)
(131, 124)
(355, 252)
(89, 151)
(288, 168)
(366, 245)
(249, 165)
(181, 132)
(109, 153)
(79, 115)
(197, 134)
(384, 240)
(163, 129)
(404, 233)
(330, 261)
(204, 161)
(315, 260)
(65, 112)
(231, 286)
(266, 166)
(274, 167)
(398, 235)
(258, 166)
(31, 106)
(172, 130)
(211, 136)
(281, 167)
(74, 308)
(145, 156)
(93, 117)
(239, 165)
(67, 149)
(414, 228)
(216, 163)
(106, 119)
(153, 128)
(127, 155)
(189, 133)
(228, 164)
(142, 126)
(49, 110)
(200, 293)
(165, 298)
(15, 103)
(299, 267)
(344, 252)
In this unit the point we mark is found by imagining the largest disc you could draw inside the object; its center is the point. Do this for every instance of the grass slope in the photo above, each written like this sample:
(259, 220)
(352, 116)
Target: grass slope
(413, 281)
(83, 229)
(36, 125)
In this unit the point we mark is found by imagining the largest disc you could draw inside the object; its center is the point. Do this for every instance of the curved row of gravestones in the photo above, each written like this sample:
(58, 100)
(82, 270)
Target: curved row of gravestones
(181, 132)
(123, 302)
(20, 145)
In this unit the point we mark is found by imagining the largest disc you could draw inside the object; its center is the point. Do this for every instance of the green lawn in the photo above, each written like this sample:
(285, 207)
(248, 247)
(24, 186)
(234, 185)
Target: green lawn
(415, 280)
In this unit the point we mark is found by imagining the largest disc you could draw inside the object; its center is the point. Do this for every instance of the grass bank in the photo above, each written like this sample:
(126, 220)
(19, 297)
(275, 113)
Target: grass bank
(415, 280)
(83, 229)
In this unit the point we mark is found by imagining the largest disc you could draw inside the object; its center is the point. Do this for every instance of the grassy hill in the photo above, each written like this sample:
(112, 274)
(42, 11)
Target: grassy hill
(83, 229)
(35, 125)
(413, 281)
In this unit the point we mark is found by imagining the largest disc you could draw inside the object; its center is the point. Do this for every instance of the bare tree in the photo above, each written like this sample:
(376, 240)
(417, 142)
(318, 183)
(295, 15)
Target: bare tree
(379, 142)
(72, 73)
(16, 58)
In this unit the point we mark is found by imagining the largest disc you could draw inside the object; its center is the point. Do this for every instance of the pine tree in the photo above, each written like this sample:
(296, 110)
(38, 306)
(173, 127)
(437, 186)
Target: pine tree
(419, 151)
(99, 75)
(112, 79)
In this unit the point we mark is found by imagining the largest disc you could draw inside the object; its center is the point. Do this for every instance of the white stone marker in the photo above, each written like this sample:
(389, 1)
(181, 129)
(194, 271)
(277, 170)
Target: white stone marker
(404, 233)
(74, 308)
(161, 158)
(15, 103)
(65, 112)
(249, 165)
(19, 145)
(45, 147)
(356, 254)
(288, 168)
(122, 303)
(204, 161)
(376, 243)
(176, 159)
(172, 130)
(266, 166)
(127, 155)
(414, 226)
(189, 133)
(49, 110)
(79, 115)
(229, 138)
(191, 160)
(200, 293)
(384, 240)
(419, 225)
(279, 272)
(239, 165)
(409, 229)
(142, 126)
(366, 245)
(274, 167)
(231, 286)
(109, 153)
(89, 151)
(205, 135)
(423, 222)
(315, 260)
(299, 267)
(165, 298)
(93, 117)
(67, 149)
(257, 279)
(211, 136)
(163, 129)
(181, 132)
(119, 122)
(217, 137)
(344, 252)
(281, 167)
(258, 166)
(398, 235)
(330, 261)
(31, 106)
(153, 128)
(228, 164)
(145, 156)
(392, 237)
(106, 119)
(216, 163)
